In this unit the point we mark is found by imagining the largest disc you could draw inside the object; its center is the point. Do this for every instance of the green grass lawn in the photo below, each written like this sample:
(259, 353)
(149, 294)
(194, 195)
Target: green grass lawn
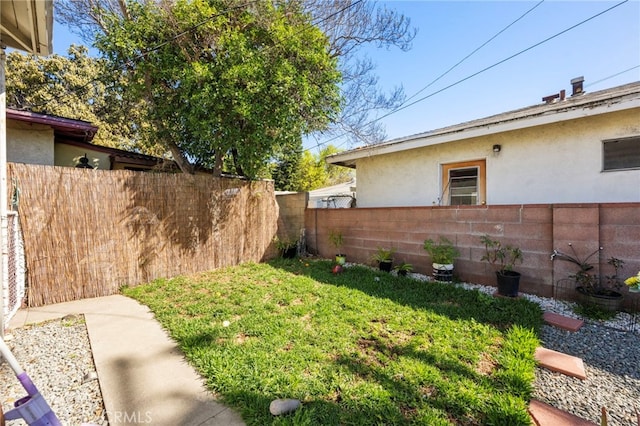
(359, 348)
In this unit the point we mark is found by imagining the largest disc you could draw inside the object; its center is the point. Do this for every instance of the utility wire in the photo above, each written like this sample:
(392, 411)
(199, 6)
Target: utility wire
(502, 61)
(472, 53)
(483, 70)
(611, 76)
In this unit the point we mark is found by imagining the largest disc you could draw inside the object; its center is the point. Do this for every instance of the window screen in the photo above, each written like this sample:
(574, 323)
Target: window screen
(463, 186)
(621, 154)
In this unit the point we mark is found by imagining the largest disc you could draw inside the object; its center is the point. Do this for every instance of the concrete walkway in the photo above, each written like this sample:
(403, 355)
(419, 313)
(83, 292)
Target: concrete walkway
(143, 375)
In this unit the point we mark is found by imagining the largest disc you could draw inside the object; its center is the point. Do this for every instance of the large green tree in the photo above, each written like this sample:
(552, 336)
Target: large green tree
(350, 25)
(221, 79)
(74, 86)
(304, 171)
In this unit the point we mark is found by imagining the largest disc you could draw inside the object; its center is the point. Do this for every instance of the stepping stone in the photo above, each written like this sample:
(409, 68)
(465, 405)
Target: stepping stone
(560, 321)
(546, 415)
(562, 363)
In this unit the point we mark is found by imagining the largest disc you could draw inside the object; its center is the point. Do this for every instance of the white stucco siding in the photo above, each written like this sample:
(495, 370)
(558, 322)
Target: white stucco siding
(413, 177)
(29, 143)
(553, 163)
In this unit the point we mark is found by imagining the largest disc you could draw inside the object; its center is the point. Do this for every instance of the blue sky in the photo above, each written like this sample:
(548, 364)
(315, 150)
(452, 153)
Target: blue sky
(448, 31)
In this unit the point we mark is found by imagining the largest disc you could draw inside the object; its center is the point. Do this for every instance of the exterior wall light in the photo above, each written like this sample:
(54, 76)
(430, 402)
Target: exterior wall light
(497, 148)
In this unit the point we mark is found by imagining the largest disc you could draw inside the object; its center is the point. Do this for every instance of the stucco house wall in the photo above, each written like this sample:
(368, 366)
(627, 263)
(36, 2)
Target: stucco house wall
(554, 163)
(547, 153)
(29, 143)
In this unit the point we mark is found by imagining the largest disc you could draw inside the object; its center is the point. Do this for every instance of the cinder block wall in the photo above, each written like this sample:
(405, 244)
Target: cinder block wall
(537, 229)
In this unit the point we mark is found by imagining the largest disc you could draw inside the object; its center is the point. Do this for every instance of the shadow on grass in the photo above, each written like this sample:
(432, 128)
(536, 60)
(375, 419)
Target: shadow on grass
(441, 298)
(350, 367)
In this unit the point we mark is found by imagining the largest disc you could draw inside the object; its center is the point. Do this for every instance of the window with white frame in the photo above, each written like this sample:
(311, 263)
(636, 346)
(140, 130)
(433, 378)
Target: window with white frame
(621, 154)
(463, 183)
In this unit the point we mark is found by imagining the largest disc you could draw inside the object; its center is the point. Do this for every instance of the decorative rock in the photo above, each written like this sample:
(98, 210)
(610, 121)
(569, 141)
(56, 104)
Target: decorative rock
(283, 406)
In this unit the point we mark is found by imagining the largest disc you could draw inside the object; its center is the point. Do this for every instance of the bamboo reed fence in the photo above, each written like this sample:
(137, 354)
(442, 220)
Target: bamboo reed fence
(89, 232)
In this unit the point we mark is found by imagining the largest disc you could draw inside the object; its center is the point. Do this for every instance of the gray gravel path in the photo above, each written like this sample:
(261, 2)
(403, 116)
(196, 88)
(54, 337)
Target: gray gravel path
(612, 363)
(57, 356)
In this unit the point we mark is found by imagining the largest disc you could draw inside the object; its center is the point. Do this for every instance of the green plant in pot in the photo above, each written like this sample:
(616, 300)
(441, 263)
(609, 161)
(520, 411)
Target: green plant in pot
(403, 268)
(442, 254)
(336, 239)
(503, 258)
(601, 292)
(384, 257)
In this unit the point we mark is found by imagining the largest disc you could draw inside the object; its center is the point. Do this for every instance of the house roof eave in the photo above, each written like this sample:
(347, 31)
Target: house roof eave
(62, 126)
(626, 97)
(27, 25)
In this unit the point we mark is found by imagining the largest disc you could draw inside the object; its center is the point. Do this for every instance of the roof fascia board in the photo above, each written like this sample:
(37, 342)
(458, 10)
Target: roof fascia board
(15, 34)
(60, 122)
(484, 130)
(44, 28)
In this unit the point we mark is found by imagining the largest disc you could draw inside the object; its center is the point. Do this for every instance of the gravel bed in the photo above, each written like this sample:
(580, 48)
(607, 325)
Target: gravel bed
(610, 351)
(57, 357)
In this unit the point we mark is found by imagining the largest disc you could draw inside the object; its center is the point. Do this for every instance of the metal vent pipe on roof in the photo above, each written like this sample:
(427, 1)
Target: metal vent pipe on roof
(577, 86)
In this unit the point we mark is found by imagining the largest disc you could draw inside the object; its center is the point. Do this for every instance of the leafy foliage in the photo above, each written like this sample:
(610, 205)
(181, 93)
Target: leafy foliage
(297, 170)
(222, 80)
(75, 86)
(349, 26)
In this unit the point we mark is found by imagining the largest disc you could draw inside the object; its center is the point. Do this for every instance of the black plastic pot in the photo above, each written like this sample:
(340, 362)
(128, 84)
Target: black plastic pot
(508, 283)
(385, 266)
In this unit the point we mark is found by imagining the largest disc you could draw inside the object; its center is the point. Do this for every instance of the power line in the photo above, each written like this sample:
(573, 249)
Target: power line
(472, 53)
(484, 69)
(502, 61)
(611, 76)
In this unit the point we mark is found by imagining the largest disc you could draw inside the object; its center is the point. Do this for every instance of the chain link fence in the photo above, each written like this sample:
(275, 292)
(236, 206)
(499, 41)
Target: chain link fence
(340, 201)
(14, 282)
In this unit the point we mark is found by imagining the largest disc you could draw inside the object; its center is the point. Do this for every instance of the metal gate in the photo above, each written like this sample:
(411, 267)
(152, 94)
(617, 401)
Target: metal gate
(13, 287)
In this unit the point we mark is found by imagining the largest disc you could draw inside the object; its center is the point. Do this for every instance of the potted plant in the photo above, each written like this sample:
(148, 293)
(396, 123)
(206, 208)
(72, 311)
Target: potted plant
(602, 292)
(336, 239)
(633, 283)
(384, 257)
(442, 255)
(287, 248)
(403, 268)
(503, 258)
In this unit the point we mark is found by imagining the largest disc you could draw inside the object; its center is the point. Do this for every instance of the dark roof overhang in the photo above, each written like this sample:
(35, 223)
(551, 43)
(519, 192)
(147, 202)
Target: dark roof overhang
(62, 127)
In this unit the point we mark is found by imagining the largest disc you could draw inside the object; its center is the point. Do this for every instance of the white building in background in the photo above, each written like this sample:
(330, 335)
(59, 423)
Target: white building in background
(342, 195)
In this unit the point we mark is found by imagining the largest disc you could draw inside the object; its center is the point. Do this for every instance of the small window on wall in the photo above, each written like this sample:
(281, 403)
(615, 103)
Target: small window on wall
(621, 154)
(463, 183)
